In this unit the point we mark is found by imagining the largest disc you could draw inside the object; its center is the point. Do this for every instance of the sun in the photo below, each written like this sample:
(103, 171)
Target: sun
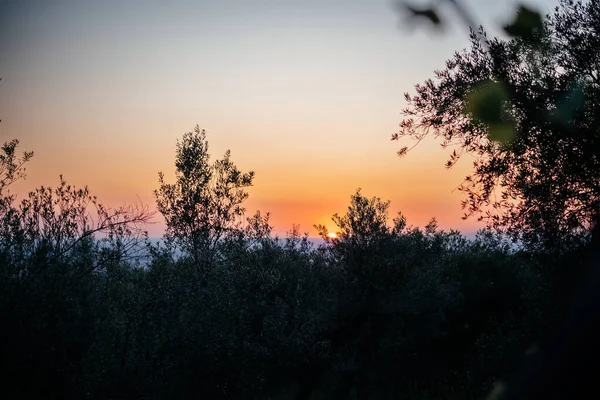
(331, 235)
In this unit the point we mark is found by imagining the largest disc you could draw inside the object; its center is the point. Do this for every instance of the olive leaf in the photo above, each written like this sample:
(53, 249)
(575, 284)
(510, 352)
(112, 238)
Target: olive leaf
(567, 108)
(427, 13)
(527, 25)
(485, 103)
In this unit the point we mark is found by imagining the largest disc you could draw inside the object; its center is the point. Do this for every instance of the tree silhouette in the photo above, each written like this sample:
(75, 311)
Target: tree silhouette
(541, 109)
(204, 205)
(527, 110)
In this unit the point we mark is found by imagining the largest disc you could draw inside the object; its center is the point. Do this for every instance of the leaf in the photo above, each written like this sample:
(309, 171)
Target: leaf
(429, 14)
(497, 392)
(502, 132)
(485, 104)
(569, 106)
(528, 25)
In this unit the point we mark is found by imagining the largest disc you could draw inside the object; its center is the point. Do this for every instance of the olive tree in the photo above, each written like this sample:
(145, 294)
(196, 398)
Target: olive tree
(527, 110)
(205, 204)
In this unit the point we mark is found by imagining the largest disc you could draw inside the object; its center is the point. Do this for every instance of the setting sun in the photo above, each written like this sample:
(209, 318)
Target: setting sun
(331, 235)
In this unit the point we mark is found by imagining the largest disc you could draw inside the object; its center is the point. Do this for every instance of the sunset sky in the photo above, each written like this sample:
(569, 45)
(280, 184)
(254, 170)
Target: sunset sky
(304, 93)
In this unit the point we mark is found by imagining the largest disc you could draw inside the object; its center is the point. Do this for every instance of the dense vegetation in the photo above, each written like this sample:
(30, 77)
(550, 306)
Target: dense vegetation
(90, 308)
(222, 309)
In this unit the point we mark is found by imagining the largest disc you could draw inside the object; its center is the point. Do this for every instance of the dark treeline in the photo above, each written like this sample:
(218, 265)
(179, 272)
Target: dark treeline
(382, 311)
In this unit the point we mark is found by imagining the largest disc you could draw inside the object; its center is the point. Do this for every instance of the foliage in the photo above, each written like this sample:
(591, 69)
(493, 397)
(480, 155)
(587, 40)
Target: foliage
(204, 205)
(527, 110)
(52, 273)
(12, 168)
(361, 229)
(382, 311)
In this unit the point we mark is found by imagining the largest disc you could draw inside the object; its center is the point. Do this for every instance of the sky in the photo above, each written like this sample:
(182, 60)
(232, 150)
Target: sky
(305, 93)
